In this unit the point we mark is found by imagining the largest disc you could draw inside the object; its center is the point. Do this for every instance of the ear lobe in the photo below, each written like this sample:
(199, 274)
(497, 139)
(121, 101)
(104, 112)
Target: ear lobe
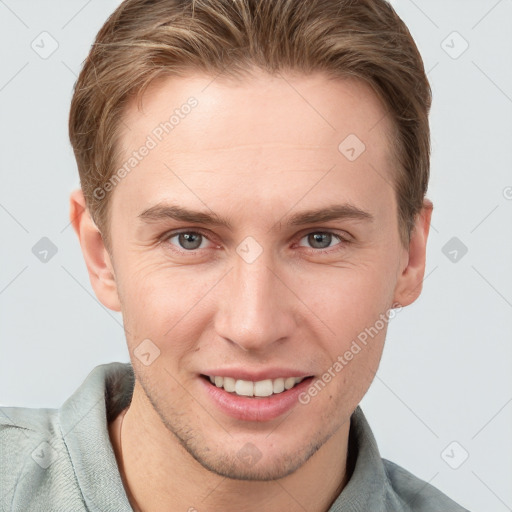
(410, 282)
(96, 256)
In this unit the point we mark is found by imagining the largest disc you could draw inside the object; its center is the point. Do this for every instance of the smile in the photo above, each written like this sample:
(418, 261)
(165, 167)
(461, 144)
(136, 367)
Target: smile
(262, 399)
(262, 388)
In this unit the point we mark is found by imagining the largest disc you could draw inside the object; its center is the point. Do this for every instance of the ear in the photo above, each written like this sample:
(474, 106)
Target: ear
(96, 256)
(410, 281)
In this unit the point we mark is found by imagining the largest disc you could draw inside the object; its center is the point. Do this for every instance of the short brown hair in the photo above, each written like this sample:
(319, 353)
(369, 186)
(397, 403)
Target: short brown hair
(146, 39)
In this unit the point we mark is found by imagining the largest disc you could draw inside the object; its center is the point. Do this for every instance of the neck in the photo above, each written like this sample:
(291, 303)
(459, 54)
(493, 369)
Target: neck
(159, 474)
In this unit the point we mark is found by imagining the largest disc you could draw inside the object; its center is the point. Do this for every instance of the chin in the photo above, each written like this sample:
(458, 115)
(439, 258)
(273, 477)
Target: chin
(247, 466)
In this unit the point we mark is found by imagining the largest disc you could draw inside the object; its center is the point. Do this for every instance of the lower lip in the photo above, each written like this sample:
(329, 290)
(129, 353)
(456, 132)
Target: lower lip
(257, 408)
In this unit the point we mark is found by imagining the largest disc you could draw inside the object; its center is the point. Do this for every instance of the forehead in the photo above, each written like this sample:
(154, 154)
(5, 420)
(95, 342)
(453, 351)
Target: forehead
(250, 132)
(277, 108)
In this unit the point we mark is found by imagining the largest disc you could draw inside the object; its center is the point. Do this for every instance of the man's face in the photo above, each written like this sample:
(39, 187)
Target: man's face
(262, 292)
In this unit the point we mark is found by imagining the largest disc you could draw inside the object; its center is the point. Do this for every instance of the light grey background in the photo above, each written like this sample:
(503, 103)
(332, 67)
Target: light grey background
(446, 371)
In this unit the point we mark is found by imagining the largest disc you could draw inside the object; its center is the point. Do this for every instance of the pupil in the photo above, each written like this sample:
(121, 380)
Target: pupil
(190, 240)
(320, 240)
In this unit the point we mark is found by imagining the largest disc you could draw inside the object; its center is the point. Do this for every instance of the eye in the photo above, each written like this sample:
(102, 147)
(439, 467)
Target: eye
(322, 239)
(188, 240)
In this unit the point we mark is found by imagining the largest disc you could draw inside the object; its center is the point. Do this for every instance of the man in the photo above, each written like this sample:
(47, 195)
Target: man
(253, 178)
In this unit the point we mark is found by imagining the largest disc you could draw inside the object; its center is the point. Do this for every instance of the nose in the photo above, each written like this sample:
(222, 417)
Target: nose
(256, 308)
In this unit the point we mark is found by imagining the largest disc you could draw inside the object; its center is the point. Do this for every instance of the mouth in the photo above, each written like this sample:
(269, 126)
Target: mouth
(254, 395)
(251, 389)
(253, 401)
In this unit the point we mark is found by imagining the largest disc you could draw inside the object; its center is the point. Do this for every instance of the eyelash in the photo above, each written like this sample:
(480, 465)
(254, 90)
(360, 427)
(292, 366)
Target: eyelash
(342, 241)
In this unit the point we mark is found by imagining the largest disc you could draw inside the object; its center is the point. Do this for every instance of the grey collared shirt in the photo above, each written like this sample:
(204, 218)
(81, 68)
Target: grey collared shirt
(62, 459)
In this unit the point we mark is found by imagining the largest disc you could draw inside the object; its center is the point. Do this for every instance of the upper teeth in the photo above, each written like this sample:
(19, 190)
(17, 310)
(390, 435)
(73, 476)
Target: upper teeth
(260, 388)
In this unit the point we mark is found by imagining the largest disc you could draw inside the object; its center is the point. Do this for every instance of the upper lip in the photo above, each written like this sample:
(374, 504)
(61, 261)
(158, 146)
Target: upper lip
(255, 375)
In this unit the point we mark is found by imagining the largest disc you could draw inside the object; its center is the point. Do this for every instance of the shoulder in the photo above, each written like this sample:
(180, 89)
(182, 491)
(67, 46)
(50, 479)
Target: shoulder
(20, 419)
(415, 494)
(35, 465)
(34, 460)
(22, 430)
(62, 459)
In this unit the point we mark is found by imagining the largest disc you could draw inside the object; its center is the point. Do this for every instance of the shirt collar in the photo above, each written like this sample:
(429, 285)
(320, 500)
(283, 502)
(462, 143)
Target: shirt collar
(83, 419)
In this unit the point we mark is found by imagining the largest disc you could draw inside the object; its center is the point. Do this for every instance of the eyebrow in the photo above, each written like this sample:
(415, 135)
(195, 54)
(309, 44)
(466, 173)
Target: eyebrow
(164, 211)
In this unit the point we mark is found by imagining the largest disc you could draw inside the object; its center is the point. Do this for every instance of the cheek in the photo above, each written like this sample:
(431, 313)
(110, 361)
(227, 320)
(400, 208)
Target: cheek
(348, 298)
(164, 304)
